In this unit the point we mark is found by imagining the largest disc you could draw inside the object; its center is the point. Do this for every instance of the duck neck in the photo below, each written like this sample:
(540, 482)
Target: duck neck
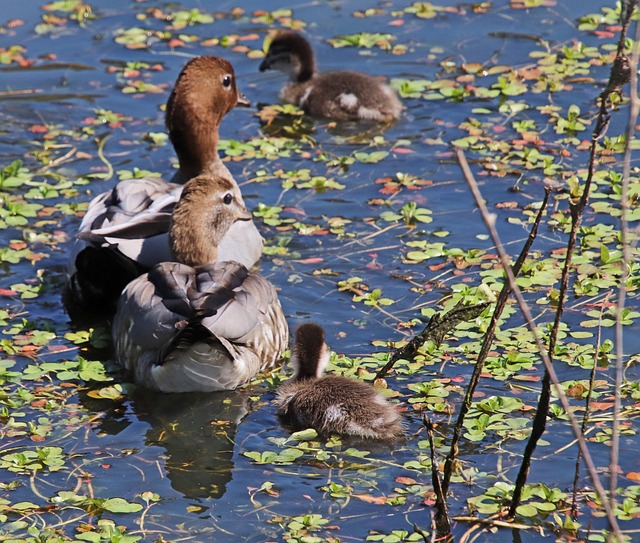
(306, 67)
(190, 238)
(196, 145)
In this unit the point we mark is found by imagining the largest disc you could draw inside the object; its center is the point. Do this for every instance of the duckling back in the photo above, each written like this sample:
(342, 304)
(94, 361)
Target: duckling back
(338, 405)
(342, 95)
(331, 404)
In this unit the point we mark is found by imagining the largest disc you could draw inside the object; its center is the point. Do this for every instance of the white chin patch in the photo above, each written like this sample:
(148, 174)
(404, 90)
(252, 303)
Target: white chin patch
(305, 96)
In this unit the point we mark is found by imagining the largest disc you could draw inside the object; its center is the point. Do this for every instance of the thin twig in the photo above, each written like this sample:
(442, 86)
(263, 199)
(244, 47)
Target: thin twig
(435, 330)
(443, 525)
(619, 76)
(634, 109)
(489, 221)
(486, 346)
(587, 410)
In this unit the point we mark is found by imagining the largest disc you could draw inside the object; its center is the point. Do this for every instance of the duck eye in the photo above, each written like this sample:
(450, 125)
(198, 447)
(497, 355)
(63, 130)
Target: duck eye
(228, 198)
(226, 81)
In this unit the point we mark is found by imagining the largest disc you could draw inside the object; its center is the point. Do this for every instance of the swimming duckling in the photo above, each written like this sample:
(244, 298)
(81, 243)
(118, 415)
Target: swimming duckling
(199, 324)
(331, 404)
(342, 95)
(124, 231)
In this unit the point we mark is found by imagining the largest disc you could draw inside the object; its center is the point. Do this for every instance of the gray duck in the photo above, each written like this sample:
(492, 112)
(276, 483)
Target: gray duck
(198, 323)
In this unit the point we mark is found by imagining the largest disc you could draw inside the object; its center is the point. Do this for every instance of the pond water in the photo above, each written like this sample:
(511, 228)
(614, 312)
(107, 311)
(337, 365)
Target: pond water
(345, 209)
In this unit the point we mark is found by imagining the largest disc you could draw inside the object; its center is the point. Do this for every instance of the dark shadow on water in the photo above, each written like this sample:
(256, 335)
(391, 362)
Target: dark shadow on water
(196, 430)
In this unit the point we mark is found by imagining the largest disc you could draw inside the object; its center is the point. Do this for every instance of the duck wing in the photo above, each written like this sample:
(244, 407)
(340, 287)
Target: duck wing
(214, 327)
(133, 221)
(123, 233)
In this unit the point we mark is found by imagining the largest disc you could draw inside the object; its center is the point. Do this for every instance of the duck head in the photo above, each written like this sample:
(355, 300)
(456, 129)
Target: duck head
(207, 208)
(292, 54)
(204, 93)
(309, 354)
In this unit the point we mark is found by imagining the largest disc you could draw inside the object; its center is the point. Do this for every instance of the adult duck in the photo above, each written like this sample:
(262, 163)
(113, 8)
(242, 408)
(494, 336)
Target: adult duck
(342, 95)
(198, 323)
(331, 404)
(124, 231)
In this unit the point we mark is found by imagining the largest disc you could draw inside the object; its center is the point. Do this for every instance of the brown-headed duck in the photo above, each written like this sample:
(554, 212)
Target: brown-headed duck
(198, 323)
(124, 231)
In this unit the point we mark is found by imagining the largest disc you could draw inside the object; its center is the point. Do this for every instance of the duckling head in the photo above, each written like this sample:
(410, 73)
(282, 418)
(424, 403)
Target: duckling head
(309, 354)
(291, 53)
(207, 208)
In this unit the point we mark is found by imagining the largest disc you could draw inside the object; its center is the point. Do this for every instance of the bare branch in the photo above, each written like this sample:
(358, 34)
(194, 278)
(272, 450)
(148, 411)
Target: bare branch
(489, 221)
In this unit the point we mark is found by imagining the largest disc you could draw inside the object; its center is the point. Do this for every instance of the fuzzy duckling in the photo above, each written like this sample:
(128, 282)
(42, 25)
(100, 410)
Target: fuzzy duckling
(198, 323)
(331, 404)
(342, 95)
(124, 231)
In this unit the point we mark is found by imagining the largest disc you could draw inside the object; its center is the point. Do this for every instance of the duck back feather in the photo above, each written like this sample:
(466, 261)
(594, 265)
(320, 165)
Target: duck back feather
(180, 328)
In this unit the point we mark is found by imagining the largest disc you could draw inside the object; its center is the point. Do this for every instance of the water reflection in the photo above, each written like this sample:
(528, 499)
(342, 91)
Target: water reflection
(196, 430)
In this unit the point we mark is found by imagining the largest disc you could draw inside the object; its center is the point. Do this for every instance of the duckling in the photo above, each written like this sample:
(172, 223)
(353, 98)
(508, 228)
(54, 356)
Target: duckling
(199, 323)
(342, 95)
(124, 231)
(331, 404)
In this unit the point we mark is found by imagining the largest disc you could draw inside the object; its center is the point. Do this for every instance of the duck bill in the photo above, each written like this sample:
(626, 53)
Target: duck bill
(244, 215)
(265, 64)
(243, 100)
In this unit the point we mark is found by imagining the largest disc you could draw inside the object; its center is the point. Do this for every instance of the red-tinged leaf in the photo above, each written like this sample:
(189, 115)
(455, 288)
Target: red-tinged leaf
(507, 205)
(312, 260)
(457, 379)
(249, 37)
(467, 79)
(18, 245)
(633, 476)
(57, 348)
(175, 42)
(406, 481)
(603, 34)
(14, 22)
(240, 49)
(437, 267)
(37, 439)
(396, 22)
(529, 378)
(38, 129)
(429, 501)
(601, 406)
(35, 257)
(105, 466)
(402, 150)
(379, 500)
(389, 189)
